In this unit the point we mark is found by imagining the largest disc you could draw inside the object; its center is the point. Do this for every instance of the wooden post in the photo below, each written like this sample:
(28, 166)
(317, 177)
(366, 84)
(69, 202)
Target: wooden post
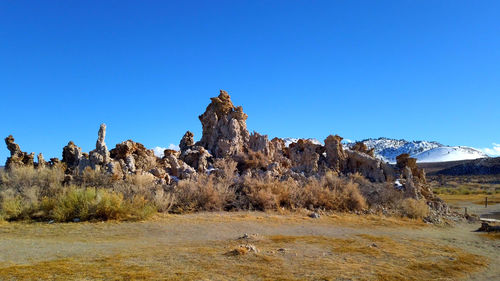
(465, 211)
(486, 202)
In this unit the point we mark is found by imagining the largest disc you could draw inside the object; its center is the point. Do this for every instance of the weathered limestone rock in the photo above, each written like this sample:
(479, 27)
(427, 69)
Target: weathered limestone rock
(370, 167)
(100, 155)
(54, 162)
(259, 143)
(361, 147)
(17, 157)
(196, 157)
(12, 146)
(134, 156)
(335, 155)
(411, 189)
(176, 167)
(114, 168)
(187, 141)
(41, 162)
(71, 156)
(224, 127)
(304, 156)
(404, 160)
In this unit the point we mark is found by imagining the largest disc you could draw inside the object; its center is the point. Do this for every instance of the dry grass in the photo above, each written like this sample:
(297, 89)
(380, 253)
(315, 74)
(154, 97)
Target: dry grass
(212, 192)
(328, 193)
(27, 193)
(365, 257)
(465, 185)
(474, 198)
(415, 209)
(491, 235)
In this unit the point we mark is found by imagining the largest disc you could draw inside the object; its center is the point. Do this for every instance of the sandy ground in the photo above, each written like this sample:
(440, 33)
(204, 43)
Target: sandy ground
(291, 247)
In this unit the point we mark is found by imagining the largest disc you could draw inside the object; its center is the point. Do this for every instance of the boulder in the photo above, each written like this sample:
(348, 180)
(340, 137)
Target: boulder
(224, 127)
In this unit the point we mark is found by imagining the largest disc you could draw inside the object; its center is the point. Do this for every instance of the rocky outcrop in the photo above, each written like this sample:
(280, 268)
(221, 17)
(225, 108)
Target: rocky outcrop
(370, 167)
(304, 156)
(100, 155)
(224, 127)
(335, 155)
(259, 143)
(405, 161)
(133, 157)
(41, 162)
(187, 141)
(197, 157)
(176, 167)
(361, 147)
(71, 156)
(17, 157)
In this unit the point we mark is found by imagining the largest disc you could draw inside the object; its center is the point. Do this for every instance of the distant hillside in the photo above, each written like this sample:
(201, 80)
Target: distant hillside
(484, 166)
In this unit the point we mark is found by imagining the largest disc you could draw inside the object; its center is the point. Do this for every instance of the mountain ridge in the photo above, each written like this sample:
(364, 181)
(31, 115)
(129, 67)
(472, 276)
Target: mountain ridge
(388, 149)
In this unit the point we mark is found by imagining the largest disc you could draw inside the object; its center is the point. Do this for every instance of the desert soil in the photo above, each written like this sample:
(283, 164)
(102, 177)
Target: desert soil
(291, 246)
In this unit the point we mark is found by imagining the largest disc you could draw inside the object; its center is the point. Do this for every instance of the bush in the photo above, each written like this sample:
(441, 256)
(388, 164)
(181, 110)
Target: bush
(27, 180)
(329, 192)
(205, 193)
(415, 209)
(28, 193)
(12, 208)
(267, 194)
(334, 193)
(98, 204)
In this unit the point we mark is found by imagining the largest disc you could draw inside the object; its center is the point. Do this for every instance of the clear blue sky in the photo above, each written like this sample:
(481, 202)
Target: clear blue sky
(402, 69)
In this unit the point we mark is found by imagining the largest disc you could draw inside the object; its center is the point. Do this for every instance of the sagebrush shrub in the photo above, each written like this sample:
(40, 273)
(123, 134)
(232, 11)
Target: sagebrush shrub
(415, 209)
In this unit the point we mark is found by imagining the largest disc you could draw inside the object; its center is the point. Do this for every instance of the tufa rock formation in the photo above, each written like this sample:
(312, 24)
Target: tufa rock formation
(71, 156)
(100, 156)
(304, 157)
(187, 141)
(41, 162)
(335, 155)
(361, 147)
(133, 157)
(17, 157)
(405, 161)
(225, 139)
(224, 127)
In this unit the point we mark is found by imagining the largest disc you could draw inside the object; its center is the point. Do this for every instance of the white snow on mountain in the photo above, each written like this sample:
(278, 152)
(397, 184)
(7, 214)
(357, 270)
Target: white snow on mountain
(449, 153)
(289, 141)
(425, 151)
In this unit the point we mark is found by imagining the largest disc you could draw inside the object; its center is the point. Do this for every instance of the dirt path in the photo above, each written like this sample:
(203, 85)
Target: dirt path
(291, 247)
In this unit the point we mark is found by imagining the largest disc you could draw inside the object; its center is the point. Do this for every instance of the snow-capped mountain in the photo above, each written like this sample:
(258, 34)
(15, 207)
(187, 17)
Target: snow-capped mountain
(449, 153)
(289, 141)
(425, 151)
